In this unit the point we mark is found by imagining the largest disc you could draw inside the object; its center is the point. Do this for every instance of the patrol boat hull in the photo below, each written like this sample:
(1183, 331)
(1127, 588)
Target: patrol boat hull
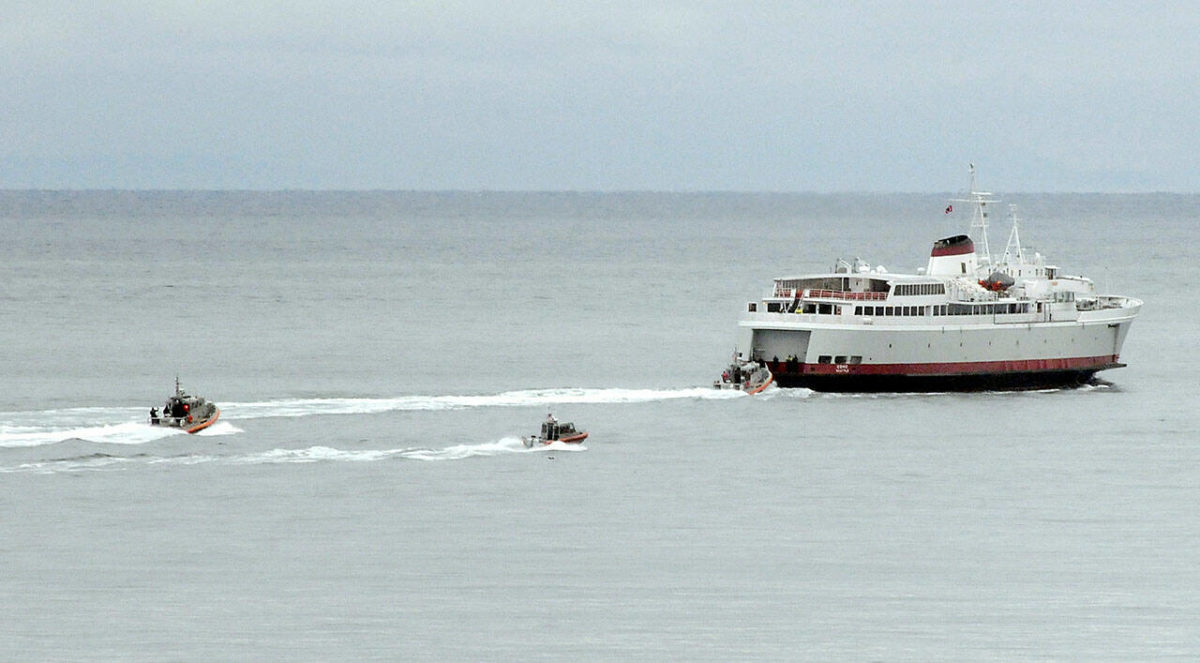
(537, 440)
(553, 431)
(199, 426)
(748, 377)
(185, 412)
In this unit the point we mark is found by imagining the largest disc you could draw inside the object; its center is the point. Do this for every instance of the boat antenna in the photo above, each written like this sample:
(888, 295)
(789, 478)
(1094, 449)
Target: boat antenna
(177, 389)
(1013, 249)
(978, 200)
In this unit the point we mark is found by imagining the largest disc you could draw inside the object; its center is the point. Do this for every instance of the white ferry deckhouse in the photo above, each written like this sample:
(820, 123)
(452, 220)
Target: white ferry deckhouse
(965, 323)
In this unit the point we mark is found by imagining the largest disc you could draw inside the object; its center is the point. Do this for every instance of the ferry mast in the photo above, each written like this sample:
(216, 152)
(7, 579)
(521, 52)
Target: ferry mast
(1012, 250)
(978, 200)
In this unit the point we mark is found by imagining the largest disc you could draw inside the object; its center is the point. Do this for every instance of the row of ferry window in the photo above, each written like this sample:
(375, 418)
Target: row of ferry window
(905, 289)
(840, 359)
(943, 309)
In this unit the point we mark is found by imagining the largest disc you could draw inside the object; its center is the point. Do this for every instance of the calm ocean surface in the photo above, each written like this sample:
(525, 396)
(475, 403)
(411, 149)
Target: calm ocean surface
(377, 357)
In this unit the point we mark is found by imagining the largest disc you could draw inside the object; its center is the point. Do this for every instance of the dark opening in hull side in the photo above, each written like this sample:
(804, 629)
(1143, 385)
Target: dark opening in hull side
(931, 383)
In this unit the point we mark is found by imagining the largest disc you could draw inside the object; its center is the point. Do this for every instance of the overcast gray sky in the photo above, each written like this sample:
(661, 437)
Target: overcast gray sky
(649, 95)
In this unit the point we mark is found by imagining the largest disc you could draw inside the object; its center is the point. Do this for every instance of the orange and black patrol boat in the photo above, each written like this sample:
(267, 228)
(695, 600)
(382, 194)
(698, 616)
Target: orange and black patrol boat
(553, 431)
(184, 411)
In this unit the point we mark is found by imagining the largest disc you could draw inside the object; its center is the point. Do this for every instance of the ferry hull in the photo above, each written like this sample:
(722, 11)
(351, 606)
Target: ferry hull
(935, 382)
(801, 352)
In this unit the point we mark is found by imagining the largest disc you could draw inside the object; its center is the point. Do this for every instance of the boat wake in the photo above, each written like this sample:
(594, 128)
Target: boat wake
(126, 433)
(101, 462)
(125, 425)
(524, 398)
(219, 428)
(507, 445)
(772, 393)
(60, 429)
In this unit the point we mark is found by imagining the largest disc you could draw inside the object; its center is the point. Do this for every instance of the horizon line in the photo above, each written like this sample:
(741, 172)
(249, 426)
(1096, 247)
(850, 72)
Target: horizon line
(10, 190)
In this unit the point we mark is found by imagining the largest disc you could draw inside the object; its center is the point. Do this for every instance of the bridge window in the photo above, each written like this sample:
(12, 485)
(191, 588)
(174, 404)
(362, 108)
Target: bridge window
(823, 359)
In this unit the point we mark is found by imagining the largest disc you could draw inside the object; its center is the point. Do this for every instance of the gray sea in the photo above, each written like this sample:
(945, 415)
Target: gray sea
(377, 357)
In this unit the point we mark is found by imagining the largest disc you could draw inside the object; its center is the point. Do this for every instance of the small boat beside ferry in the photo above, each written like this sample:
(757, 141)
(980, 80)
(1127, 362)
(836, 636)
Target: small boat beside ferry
(553, 431)
(748, 376)
(185, 411)
(967, 321)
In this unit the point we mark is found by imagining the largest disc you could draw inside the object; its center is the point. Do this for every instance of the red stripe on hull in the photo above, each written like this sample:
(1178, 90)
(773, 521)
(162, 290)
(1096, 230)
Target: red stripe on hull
(947, 376)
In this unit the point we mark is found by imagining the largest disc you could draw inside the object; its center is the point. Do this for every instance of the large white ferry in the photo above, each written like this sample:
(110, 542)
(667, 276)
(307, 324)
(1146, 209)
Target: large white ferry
(964, 322)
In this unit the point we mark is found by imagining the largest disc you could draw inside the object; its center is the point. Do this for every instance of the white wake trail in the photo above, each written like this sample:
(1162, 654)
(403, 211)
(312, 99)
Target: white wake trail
(100, 462)
(127, 425)
(302, 407)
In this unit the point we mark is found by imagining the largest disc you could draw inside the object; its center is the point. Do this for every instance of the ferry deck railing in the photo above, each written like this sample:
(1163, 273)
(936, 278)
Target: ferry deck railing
(831, 294)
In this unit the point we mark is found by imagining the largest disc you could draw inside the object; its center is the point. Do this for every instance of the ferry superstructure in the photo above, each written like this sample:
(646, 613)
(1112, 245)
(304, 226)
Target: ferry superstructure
(963, 322)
